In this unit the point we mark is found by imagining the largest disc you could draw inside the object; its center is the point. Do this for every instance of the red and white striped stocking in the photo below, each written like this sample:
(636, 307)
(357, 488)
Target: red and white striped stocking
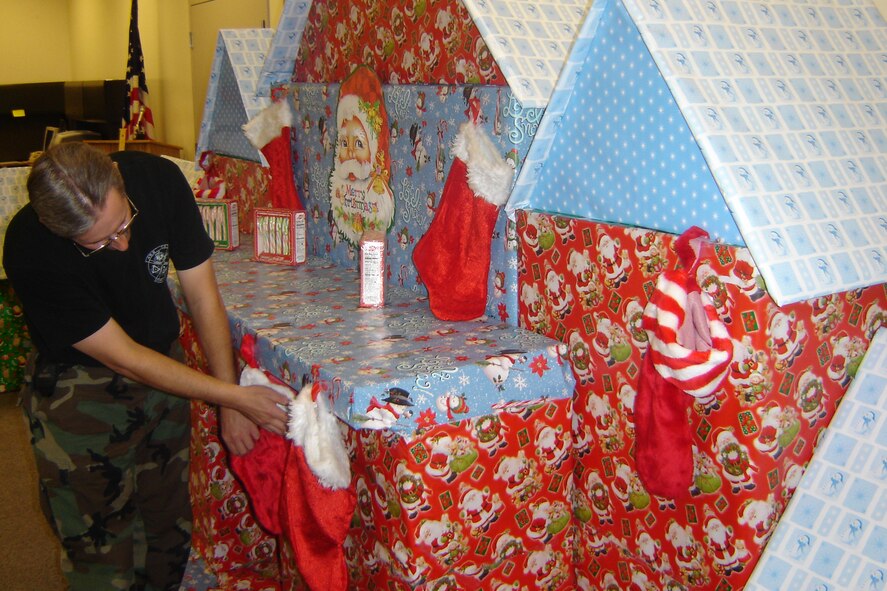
(688, 357)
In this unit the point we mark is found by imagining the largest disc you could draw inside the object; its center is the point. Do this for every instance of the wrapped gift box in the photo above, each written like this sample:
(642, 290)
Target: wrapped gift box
(279, 236)
(220, 221)
(459, 433)
(481, 503)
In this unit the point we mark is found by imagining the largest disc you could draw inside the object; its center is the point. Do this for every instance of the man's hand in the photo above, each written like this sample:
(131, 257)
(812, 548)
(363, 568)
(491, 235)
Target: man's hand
(238, 432)
(260, 405)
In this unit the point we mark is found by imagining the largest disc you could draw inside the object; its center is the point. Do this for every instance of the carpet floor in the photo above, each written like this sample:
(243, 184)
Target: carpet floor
(29, 552)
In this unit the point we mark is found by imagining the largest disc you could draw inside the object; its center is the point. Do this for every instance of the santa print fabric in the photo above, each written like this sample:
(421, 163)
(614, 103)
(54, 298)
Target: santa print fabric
(453, 257)
(269, 132)
(688, 356)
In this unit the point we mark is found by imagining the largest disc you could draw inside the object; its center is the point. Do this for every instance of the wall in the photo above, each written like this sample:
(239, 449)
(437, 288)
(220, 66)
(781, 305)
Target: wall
(87, 40)
(62, 40)
(34, 42)
(79, 39)
(206, 20)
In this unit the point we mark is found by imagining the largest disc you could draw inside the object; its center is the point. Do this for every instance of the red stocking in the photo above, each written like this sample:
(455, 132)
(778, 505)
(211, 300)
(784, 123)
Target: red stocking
(261, 473)
(453, 256)
(317, 521)
(320, 497)
(663, 452)
(261, 469)
(269, 131)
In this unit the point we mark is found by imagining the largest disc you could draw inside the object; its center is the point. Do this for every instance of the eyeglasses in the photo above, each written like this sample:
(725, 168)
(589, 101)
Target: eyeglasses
(87, 252)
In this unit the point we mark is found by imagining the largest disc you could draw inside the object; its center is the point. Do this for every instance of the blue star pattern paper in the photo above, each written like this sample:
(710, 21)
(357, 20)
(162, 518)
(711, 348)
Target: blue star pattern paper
(613, 145)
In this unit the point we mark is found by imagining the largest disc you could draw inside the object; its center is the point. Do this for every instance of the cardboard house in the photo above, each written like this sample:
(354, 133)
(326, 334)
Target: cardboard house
(627, 123)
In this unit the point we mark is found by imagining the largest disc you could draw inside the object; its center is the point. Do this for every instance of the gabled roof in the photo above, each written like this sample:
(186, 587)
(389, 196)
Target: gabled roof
(281, 60)
(693, 112)
(231, 97)
(530, 41)
(763, 123)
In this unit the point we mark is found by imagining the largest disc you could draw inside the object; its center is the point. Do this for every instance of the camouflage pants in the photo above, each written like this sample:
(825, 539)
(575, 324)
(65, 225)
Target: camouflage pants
(112, 457)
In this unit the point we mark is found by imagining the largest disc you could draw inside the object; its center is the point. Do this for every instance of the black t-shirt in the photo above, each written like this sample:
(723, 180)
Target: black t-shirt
(67, 297)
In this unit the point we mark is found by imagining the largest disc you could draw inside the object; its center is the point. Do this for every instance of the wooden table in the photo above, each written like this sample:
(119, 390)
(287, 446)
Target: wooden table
(151, 146)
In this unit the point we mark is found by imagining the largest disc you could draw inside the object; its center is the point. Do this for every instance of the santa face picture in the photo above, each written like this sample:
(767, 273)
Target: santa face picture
(360, 191)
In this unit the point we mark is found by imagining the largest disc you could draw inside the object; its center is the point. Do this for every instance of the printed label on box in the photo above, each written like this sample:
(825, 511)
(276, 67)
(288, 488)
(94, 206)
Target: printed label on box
(372, 270)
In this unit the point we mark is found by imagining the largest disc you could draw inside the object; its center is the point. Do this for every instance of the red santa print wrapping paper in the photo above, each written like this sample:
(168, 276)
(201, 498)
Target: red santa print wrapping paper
(246, 182)
(479, 503)
(588, 284)
(405, 42)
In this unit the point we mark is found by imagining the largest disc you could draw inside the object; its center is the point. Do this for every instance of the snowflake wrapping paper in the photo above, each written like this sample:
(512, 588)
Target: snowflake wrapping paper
(833, 534)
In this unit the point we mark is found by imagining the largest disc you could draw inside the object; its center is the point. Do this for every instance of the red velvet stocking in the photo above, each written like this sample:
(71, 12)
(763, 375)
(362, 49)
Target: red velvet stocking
(269, 132)
(453, 256)
(279, 154)
(317, 521)
(261, 473)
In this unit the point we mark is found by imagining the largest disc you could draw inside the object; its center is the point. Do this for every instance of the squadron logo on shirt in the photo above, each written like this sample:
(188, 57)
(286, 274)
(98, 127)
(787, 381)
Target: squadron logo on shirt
(158, 263)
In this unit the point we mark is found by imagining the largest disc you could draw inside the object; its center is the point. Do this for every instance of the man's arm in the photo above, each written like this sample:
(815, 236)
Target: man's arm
(210, 320)
(111, 346)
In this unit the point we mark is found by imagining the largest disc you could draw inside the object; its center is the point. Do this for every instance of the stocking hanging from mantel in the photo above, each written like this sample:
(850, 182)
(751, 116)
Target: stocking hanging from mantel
(301, 485)
(453, 256)
(269, 132)
(688, 356)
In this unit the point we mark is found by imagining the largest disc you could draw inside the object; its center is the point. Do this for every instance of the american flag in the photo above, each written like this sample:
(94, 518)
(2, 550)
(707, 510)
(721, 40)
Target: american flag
(137, 115)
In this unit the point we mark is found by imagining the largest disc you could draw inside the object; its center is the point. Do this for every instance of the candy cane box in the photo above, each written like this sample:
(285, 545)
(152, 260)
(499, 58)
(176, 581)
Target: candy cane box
(220, 220)
(279, 236)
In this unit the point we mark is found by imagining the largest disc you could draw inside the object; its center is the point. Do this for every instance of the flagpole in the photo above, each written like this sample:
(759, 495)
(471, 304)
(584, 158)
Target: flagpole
(136, 118)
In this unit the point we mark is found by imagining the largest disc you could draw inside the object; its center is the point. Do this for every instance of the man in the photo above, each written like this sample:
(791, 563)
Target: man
(88, 257)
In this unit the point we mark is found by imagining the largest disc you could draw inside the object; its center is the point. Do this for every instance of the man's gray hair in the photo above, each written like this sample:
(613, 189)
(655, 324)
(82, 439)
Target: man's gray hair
(68, 185)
